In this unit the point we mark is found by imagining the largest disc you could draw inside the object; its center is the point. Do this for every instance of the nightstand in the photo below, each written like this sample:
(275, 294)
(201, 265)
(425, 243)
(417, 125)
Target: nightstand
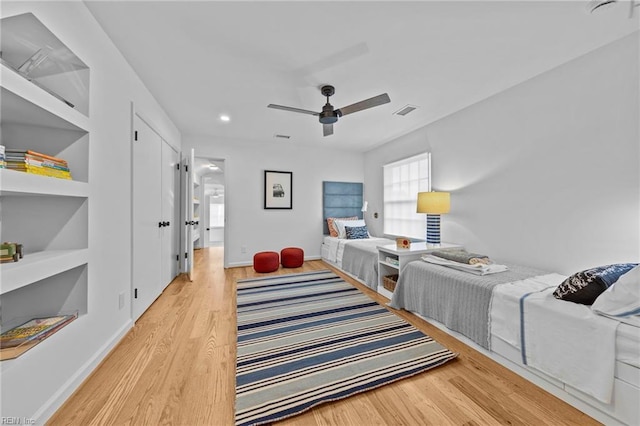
(392, 260)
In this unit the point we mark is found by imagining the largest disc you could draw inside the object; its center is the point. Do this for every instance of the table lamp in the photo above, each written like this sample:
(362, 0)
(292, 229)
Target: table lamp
(433, 204)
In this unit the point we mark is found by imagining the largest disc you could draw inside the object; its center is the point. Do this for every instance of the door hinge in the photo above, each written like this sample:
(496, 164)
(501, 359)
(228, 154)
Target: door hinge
(186, 168)
(135, 135)
(135, 293)
(177, 257)
(185, 255)
(178, 166)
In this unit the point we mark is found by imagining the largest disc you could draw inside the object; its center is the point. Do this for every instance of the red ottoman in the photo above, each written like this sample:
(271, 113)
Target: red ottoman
(292, 257)
(266, 261)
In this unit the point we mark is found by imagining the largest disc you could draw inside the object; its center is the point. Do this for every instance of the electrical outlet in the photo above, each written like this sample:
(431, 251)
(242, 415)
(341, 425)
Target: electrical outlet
(243, 249)
(121, 301)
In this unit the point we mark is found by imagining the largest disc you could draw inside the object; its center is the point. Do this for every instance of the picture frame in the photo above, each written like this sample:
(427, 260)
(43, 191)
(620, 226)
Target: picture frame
(278, 190)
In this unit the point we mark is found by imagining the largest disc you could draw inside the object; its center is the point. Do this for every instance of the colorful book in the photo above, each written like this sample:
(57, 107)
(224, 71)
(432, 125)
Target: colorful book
(23, 152)
(11, 352)
(34, 329)
(34, 162)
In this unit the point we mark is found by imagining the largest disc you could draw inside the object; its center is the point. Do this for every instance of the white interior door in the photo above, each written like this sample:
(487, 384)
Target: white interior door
(170, 245)
(186, 183)
(147, 209)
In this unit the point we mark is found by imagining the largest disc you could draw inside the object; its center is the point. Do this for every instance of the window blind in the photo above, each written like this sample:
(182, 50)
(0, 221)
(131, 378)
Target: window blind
(402, 181)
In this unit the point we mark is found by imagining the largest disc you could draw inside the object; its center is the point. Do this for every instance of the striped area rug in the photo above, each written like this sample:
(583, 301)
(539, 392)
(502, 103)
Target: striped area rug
(309, 338)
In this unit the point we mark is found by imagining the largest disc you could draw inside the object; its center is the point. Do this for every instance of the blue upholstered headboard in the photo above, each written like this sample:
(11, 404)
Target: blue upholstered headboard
(341, 199)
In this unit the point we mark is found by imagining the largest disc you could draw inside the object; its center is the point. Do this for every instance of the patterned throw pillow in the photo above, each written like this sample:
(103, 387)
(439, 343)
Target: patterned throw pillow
(585, 286)
(356, 232)
(332, 228)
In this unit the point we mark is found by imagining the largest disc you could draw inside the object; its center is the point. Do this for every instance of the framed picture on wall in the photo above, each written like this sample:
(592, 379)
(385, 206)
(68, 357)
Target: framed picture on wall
(278, 190)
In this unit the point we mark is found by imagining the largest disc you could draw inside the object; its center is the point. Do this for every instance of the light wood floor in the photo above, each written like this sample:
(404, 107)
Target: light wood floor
(177, 367)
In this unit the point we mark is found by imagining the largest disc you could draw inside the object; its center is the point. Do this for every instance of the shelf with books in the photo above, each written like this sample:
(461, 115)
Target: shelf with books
(22, 334)
(18, 183)
(29, 127)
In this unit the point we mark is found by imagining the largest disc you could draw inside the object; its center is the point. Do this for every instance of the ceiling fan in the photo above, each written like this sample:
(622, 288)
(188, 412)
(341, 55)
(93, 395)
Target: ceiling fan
(329, 115)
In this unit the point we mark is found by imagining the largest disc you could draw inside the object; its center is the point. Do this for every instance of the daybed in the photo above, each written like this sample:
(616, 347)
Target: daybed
(357, 258)
(589, 360)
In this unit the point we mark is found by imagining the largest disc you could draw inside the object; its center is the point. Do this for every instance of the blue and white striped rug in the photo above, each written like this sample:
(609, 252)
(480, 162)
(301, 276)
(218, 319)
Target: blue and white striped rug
(309, 338)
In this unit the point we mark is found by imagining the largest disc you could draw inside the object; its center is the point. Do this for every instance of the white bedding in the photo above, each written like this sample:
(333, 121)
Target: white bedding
(594, 349)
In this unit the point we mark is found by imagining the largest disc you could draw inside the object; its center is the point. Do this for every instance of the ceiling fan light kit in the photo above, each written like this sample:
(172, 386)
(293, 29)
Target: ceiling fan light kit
(329, 115)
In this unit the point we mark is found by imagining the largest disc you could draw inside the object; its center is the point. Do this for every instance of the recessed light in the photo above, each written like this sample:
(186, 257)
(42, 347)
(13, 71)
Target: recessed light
(224, 117)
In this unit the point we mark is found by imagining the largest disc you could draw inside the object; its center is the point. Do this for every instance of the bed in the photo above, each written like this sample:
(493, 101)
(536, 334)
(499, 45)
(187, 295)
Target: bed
(358, 258)
(589, 360)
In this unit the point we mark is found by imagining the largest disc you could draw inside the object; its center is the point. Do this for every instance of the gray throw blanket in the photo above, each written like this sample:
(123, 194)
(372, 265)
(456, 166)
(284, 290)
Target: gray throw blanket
(360, 259)
(461, 256)
(457, 299)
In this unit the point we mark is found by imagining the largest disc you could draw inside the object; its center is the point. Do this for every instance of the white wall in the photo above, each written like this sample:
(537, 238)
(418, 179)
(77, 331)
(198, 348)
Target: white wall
(248, 224)
(30, 391)
(545, 174)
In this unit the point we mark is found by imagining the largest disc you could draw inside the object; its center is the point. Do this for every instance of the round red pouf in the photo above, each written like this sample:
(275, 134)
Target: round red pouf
(266, 261)
(292, 257)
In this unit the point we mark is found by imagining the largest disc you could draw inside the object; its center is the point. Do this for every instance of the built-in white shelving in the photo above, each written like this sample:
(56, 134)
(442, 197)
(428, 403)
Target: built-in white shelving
(44, 109)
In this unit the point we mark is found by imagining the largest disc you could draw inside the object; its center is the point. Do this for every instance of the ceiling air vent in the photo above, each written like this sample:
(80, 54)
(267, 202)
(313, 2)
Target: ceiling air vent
(405, 110)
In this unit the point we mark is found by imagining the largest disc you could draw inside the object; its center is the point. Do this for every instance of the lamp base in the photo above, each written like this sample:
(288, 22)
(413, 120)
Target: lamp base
(433, 229)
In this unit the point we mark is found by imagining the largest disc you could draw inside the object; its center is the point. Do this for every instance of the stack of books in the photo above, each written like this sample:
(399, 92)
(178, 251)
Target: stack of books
(3, 164)
(37, 163)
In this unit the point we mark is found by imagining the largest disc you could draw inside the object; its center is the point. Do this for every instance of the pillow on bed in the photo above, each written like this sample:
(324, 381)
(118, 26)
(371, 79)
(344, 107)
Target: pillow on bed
(340, 225)
(585, 286)
(621, 299)
(333, 231)
(356, 232)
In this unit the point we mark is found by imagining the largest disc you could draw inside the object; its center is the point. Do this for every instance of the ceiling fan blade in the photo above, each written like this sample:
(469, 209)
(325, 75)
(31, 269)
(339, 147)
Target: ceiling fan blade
(286, 108)
(327, 129)
(367, 103)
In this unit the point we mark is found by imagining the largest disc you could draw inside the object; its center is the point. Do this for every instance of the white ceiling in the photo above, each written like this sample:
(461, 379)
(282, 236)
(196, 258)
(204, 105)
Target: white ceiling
(201, 59)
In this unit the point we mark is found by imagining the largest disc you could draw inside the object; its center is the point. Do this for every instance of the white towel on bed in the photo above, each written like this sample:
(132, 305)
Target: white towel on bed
(568, 341)
(478, 268)
(505, 304)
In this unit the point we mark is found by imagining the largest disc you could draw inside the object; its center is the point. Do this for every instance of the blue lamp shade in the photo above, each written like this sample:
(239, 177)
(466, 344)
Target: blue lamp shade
(433, 204)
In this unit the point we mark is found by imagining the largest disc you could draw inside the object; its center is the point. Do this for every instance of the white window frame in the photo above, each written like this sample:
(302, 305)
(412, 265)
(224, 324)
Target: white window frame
(216, 215)
(402, 180)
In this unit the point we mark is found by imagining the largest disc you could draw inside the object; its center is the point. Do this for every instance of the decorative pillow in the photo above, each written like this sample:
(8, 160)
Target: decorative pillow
(621, 299)
(356, 232)
(333, 231)
(340, 225)
(585, 286)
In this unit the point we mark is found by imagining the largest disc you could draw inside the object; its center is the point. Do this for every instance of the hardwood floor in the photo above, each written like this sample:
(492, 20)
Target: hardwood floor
(177, 367)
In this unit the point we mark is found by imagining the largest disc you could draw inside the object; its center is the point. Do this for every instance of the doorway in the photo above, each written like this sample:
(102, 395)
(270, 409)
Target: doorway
(210, 185)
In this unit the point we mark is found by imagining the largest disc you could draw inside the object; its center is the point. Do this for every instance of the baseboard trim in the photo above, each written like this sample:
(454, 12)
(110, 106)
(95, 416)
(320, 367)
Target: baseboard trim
(245, 264)
(73, 383)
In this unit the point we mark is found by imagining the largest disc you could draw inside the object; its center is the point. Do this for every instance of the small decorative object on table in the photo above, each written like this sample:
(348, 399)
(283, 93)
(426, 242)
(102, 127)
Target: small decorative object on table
(389, 282)
(403, 243)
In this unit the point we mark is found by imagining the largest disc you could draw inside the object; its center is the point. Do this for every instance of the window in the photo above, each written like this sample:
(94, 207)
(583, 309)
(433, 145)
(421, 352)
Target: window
(402, 181)
(216, 215)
